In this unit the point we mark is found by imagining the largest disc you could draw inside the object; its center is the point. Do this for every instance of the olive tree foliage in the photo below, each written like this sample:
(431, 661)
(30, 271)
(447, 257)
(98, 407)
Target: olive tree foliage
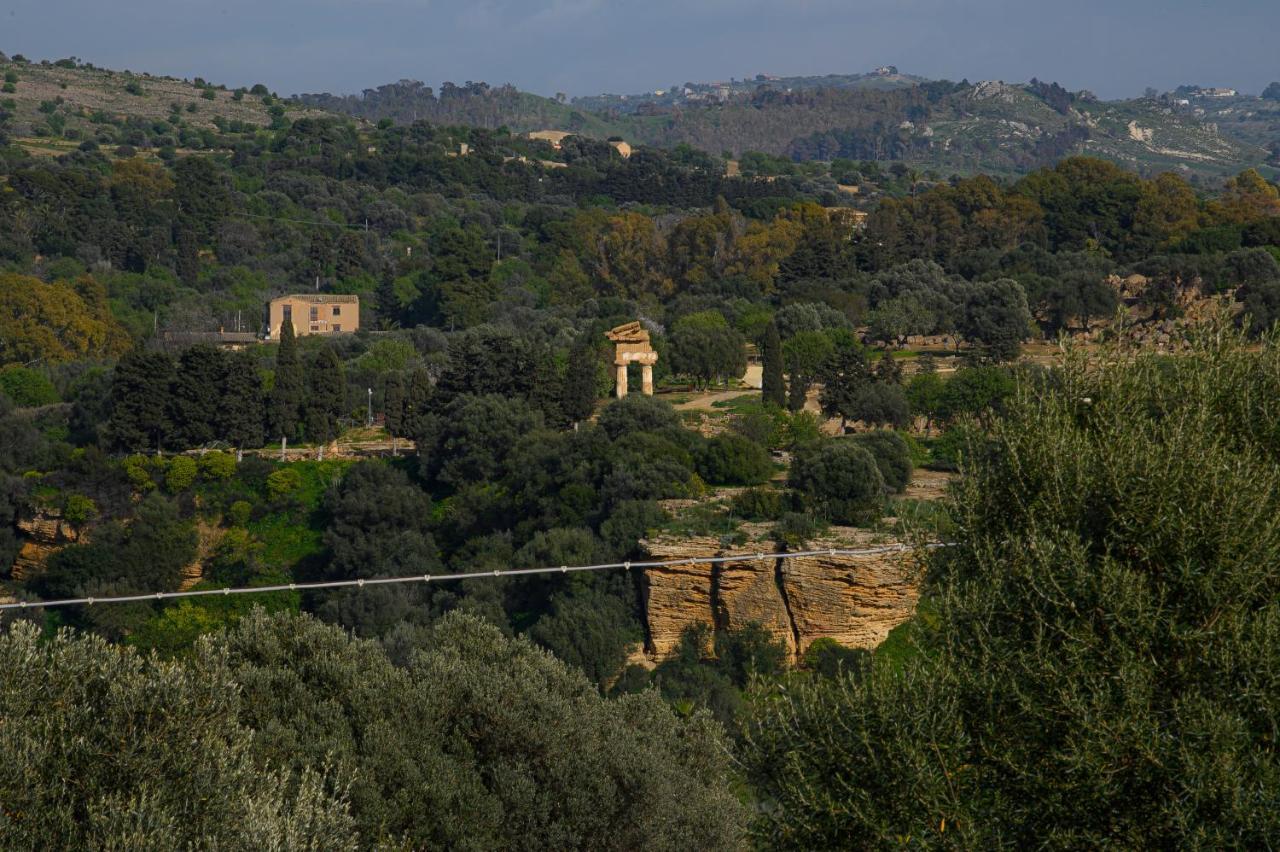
(704, 347)
(114, 750)
(997, 318)
(480, 741)
(1125, 515)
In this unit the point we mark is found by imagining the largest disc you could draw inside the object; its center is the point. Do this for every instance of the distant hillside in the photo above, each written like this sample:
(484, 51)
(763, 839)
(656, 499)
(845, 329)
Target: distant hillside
(949, 127)
(704, 94)
(54, 106)
(474, 104)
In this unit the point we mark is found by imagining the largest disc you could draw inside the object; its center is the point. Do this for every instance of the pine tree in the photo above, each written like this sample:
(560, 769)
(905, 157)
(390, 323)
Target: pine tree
(283, 414)
(140, 388)
(326, 396)
(242, 408)
(393, 400)
(773, 389)
(196, 397)
(578, 400)
(844, 376)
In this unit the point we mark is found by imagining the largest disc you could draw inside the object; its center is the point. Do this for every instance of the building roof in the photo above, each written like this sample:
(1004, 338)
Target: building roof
(320, 298)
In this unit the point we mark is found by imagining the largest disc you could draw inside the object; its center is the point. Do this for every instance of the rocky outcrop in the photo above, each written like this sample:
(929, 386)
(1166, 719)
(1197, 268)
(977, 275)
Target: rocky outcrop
(44, 533)
(855, 600)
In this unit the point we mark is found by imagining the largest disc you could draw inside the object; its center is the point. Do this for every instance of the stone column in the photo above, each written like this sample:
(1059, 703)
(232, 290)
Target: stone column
(646, 379)
(621, 390)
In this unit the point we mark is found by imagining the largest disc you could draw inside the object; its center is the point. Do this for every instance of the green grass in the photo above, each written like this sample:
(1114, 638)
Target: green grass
(293, 536)
(901, 645)
(286, 542)
(746, 401)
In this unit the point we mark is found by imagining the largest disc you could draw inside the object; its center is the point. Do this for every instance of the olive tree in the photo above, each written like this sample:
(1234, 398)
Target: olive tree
(1098, 664)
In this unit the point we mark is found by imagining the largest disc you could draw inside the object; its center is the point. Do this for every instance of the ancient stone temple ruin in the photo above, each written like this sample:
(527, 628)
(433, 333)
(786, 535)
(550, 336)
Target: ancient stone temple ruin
(631, 345)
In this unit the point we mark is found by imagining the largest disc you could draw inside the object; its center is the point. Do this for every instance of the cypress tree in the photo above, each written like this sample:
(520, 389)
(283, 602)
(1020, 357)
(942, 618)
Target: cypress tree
(326, 396)
(287, 394)
(140, 388)
(186, 255)
(393, 403)
(242, 404)
(388, 302)
(579, 395)
(772, 388)
(417, 407)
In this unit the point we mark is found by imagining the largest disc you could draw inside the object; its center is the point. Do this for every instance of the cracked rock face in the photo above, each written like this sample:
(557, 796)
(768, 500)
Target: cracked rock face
(45, 533)
(855, 600)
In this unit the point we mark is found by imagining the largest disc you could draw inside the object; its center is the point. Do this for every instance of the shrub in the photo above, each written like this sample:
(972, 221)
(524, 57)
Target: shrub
(731, 459)
(27, 387)
(282, 483)
(240, 512)
(758, 504)
(800, 428)
(892, 455)
(795, 529)
(637, 413)
(630, 521)
(217, 465)
(840, 480)
(829, 659)
(181, 474)
(79, 510)
(136, 468)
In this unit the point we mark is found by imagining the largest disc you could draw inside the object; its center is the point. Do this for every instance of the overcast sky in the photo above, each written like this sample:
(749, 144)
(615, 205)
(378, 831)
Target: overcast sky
(1113, 47)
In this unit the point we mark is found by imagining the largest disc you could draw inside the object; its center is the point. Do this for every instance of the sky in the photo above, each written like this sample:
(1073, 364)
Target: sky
(1114, 48)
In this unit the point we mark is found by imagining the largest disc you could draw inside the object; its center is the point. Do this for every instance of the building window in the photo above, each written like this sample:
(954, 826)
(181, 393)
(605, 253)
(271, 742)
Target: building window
(315, 314)
(337, 328)
(288, 313)
(337, 310)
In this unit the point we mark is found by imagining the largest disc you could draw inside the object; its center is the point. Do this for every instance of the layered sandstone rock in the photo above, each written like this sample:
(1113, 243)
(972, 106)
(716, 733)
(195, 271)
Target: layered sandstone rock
(45, 533)
(855, 600)
(677, 596)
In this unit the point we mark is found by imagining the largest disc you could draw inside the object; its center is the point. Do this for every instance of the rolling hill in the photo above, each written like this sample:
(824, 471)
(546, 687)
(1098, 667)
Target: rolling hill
(948, 127)
(52, 107)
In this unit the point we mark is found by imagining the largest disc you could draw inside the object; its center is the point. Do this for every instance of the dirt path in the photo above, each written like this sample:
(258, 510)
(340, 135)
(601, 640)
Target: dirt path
(707, 401)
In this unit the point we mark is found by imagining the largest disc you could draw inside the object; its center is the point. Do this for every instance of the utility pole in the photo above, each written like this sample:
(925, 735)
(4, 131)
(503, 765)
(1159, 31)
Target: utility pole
(369, 420)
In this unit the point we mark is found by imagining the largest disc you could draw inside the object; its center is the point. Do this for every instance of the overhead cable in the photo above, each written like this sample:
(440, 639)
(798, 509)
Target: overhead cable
(445, 578)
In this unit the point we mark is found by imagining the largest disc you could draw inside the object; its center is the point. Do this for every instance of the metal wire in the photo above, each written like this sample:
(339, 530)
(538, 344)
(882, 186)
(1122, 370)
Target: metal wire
(444, 578)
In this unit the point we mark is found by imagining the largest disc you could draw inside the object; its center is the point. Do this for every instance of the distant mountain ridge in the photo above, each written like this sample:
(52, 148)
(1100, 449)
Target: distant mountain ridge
(989, 126)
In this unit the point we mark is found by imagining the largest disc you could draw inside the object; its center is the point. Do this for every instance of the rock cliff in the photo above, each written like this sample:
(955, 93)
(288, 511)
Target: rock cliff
(45, 533)
(855, 600)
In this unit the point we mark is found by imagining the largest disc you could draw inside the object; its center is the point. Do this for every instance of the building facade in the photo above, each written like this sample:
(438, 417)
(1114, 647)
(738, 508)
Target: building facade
(314, 314)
